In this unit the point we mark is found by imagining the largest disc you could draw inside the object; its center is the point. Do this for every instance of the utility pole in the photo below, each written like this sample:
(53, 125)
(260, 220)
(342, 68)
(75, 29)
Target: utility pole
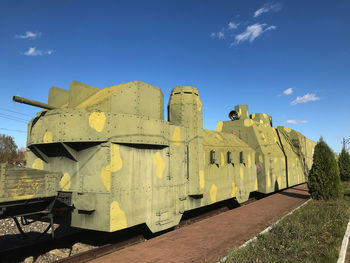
(345, 142)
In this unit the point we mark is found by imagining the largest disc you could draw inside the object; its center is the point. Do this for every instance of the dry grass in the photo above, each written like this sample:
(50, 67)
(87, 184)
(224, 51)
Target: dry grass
(311, 234)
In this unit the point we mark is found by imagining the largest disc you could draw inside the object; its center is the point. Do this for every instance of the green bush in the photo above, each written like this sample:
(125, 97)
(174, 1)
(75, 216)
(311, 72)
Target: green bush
(344, 165)
(324, 180)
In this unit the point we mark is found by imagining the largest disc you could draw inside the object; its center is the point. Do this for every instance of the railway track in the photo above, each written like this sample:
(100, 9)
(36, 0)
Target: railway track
(46, 249)
(34, 245)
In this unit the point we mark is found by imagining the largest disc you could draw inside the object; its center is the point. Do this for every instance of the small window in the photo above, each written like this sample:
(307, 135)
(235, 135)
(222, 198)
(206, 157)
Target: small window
(212, 157)
(229, 157)
(242, 158)
(187, 92)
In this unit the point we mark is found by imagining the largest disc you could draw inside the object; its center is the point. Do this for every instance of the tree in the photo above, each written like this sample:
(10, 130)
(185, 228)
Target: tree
(324, 180)
(344, 164)
(8, 149)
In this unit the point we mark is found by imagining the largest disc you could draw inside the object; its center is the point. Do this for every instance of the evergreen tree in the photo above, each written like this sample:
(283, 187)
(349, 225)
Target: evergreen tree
(344, 165)
(324, 180)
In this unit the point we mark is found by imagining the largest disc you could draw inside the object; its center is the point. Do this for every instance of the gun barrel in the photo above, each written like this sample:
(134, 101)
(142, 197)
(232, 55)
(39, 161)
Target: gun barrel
(33, 103)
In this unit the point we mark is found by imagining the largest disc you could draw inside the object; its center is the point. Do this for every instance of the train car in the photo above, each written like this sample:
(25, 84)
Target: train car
(117, 163)
(283, 156)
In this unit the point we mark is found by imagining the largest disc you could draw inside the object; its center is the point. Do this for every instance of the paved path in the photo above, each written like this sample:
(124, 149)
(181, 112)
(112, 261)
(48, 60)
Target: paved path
(347, 258)
(210, 239)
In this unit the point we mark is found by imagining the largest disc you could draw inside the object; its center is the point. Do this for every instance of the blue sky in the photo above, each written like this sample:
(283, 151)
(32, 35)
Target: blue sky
(289, 59)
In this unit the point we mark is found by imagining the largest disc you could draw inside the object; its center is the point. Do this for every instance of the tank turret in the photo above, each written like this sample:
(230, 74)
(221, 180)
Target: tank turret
(240, 112)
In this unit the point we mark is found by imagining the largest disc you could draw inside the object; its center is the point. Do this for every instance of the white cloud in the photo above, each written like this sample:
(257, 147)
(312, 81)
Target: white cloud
(268, 7)
(288, 91)
(306, 98)
(296, 121)
(219, 35)
(252, 32)
(270, 28)
(29, 35)
(232, 25)
(32, 51)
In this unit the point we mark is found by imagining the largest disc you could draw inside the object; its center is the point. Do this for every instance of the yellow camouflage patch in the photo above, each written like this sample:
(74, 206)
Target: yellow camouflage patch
(97, 121)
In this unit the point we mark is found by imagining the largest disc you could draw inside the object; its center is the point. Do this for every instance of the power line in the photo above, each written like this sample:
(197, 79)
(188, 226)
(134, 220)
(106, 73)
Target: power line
(17, 112)
(12, 118)
(12, 130)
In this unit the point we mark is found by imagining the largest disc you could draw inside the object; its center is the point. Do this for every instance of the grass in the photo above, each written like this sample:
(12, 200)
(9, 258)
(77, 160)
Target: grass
(312, 233)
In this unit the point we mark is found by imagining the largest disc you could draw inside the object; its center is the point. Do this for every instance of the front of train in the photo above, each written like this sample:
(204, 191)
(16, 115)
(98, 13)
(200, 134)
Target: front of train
(93, 138)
